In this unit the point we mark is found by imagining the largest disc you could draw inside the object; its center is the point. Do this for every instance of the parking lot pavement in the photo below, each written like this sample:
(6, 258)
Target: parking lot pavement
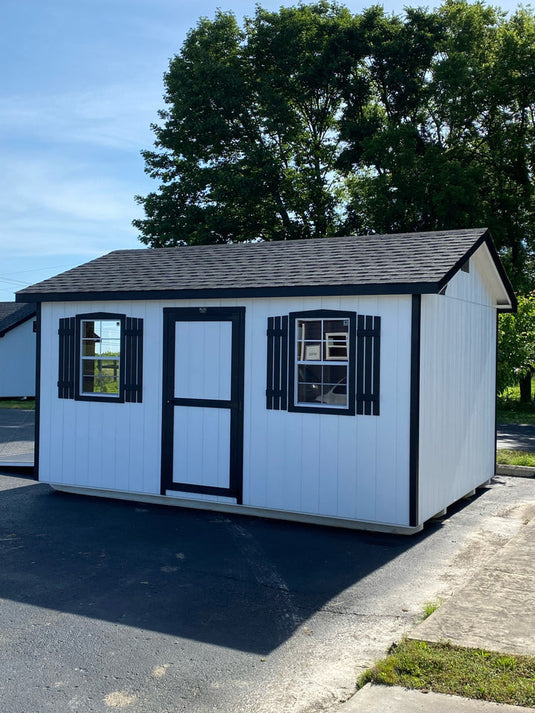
(17, 434)
(107, 604)
(516, 436)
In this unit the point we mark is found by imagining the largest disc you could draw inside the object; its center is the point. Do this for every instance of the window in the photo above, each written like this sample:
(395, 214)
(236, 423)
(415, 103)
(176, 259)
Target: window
(100, 350)
(322, 362)
(101, 358)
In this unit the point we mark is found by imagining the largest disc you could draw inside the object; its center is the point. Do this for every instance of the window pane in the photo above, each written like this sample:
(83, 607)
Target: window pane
(334, 394)
(88, 330)
(334, 374)
(88, 385)
(310, 351)
(309, 340)
(309, 373)
(101, 337)
(336, 336)
(335, 325)
(100, 376)
(308, 393)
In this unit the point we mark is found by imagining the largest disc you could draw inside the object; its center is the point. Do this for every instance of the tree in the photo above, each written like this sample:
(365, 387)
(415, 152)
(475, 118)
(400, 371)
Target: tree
(249, 141)
(311, 121)
(516, 347)
(453, 140)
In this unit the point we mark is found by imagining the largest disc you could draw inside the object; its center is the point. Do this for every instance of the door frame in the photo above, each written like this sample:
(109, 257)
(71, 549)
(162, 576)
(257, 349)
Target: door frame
(235, 315)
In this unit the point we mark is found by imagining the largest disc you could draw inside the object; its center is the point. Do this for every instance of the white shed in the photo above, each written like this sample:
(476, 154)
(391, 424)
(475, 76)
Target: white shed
(17, 350)
(347, 381)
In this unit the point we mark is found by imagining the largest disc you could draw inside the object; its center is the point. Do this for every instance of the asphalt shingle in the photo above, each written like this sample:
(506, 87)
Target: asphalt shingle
(374, 260)
(14, 313)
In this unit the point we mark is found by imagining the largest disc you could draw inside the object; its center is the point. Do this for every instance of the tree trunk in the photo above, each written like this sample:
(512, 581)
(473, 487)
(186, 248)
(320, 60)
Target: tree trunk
(525, 389)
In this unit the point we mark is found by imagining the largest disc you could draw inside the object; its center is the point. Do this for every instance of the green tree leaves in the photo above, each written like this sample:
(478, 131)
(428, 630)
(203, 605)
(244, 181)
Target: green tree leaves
(311, 121)
(516, 343)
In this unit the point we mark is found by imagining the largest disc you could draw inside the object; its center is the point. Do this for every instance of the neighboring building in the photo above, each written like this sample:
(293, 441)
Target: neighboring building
(17, 350)
(347, 381)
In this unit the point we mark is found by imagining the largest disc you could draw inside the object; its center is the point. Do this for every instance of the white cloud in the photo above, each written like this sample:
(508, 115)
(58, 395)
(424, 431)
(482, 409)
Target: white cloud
(64, 208)
(116, 117)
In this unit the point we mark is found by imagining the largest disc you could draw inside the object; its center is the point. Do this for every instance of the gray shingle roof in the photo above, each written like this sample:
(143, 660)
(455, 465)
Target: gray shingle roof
(367, 264)
(12, 314)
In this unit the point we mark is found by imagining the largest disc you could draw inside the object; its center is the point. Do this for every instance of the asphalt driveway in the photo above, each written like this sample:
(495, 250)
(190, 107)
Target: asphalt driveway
(115, 605)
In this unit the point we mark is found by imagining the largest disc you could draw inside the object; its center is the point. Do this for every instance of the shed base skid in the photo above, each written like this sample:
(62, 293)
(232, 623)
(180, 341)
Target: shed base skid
(240, 510)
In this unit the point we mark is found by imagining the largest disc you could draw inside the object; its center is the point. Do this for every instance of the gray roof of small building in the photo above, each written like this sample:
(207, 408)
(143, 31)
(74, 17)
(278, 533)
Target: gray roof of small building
(371, 264)
(12, 314)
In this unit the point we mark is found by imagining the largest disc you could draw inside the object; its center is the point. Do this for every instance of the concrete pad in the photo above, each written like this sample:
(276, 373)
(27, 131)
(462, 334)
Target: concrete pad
(392, 699)
(496, 609)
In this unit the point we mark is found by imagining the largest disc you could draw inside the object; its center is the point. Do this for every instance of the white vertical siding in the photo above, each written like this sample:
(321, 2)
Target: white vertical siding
(457, 390)
(354, 467)
(17, 361)
(343, 466)
(101, 445)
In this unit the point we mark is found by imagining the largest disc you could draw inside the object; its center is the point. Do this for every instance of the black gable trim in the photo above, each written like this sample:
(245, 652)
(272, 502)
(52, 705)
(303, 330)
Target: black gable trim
(298, 291)
(487, 239)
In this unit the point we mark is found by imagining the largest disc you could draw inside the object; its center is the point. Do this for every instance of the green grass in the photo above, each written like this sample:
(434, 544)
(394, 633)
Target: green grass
(429, 608)
(443, 668)
(508, 457)
(26, 405)
(510, 410)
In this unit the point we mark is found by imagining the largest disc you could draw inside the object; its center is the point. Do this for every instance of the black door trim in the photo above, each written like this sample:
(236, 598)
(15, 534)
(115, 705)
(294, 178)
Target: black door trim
(414, 448)
(235, 315)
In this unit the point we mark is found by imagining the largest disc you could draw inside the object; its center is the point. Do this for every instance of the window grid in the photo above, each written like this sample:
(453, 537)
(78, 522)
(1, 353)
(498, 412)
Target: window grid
(100, 349)
(322, 362)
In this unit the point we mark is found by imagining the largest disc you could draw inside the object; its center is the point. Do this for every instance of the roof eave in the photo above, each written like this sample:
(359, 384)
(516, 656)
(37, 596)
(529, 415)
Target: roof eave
(404, 288)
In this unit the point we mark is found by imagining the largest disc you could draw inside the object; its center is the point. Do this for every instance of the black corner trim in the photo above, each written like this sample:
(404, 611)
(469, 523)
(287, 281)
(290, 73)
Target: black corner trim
(37, 439)
(414, 466)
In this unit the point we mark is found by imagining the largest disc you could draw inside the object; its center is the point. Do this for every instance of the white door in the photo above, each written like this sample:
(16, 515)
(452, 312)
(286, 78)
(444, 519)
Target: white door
(203, 401)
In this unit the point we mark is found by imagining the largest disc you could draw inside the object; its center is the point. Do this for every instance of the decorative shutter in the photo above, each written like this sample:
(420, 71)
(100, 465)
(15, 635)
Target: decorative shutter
(368, 364)
(277, 363)
(133, 360)
(67, 358)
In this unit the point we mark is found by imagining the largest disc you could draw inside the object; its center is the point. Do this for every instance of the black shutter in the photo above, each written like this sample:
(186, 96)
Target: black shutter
(277, 363)
(133, 360)
(368, 364)
(67, 358)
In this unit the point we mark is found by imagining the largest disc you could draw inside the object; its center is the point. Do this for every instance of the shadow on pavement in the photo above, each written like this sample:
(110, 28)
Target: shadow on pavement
(231, 581)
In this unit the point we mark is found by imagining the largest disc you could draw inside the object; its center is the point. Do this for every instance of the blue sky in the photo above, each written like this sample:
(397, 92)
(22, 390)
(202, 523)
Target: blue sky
(81, 83)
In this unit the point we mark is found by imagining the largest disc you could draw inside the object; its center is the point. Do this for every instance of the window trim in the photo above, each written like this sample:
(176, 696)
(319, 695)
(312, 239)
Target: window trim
(78, 395)
(350, 410)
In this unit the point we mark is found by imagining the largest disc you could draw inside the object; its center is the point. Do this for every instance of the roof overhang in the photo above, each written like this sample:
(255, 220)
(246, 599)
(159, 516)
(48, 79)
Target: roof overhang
(506, 300)
(408, 288)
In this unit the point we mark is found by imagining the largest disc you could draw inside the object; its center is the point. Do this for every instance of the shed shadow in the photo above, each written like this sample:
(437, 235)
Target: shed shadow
(232, 581)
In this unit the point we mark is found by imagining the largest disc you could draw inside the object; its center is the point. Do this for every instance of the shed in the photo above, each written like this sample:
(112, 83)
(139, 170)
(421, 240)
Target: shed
(346, 381)
(17, 350)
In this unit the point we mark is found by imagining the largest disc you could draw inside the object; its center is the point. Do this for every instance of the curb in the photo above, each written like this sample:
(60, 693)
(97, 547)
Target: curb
(520, 471)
